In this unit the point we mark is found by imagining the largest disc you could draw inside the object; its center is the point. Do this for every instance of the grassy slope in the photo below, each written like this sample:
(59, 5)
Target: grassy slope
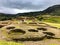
(55, 19)
(53, 24)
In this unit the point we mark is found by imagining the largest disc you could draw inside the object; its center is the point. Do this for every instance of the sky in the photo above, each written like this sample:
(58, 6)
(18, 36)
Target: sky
(21, 6)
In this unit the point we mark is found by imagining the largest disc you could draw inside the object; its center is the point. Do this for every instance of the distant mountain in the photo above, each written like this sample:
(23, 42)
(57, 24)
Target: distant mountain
(53, 10)
(30, 13)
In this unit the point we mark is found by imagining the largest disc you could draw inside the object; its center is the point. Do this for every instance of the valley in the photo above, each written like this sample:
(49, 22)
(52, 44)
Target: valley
(32, 28)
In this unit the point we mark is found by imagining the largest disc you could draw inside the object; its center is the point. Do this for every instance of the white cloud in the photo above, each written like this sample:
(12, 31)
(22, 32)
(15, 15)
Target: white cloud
(13, 10)
(16, 6)
(23, 10)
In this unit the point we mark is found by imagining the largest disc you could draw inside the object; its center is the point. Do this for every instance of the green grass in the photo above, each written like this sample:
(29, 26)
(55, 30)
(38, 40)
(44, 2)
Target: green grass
(53, 44)
(53, 24)
(53, 19)
(10, 43)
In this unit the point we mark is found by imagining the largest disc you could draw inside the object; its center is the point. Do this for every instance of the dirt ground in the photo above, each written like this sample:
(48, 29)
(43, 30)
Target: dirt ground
(33, 34)
(44, 42)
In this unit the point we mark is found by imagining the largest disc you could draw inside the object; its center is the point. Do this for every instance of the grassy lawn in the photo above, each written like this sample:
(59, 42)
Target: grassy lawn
(10, 43)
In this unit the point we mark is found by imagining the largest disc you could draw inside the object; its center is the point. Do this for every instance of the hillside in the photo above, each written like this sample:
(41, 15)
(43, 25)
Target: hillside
(53, 10)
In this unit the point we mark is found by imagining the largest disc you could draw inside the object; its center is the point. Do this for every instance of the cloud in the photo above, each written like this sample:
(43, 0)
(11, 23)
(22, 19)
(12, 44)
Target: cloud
(13, 10)
(7, 6)
(7, 10)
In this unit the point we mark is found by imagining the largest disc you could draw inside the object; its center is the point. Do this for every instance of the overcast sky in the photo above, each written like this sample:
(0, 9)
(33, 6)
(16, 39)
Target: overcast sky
(20, 6)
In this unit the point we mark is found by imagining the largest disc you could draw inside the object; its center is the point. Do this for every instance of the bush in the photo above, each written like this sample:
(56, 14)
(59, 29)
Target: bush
(32, 30)
(10, 27)
(17, 31)
(1, 26)
(44, 29)
(49, 33)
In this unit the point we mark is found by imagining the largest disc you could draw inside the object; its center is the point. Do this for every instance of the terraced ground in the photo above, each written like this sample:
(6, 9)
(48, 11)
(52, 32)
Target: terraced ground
(31, 34)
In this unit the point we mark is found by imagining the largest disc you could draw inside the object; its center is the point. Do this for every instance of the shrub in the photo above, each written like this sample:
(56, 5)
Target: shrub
(44, 29)
(1, 26)
(32, 30)
(17, 31)
(49, 33)
(10, 27)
